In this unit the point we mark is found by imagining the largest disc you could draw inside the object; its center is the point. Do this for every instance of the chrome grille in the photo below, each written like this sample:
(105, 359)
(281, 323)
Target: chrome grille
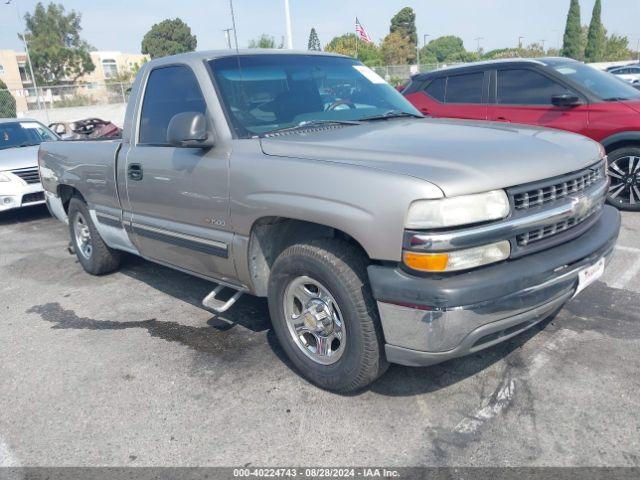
(547, 231)
(29, 175)
(550, 193)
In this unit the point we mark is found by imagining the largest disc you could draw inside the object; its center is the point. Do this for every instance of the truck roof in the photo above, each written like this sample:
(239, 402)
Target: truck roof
(212, 54)
(13, 120)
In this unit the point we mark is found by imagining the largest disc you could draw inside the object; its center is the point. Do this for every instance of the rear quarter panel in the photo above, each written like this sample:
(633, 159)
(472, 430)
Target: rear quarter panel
(87, 166)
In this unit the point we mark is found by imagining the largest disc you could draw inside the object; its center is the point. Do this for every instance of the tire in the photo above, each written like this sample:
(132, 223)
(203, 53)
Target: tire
(101, 259)
(624, 192)
(340, 271)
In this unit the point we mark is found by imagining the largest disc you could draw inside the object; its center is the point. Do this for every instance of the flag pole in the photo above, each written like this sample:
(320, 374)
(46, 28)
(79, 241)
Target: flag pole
(357, 35)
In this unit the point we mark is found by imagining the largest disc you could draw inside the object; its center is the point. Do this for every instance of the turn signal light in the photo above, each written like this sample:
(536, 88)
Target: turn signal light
(426, 262)
(457, 260)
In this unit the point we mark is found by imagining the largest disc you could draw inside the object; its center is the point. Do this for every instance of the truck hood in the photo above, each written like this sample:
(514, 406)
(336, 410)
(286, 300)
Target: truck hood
(15, 158)
(459, 156)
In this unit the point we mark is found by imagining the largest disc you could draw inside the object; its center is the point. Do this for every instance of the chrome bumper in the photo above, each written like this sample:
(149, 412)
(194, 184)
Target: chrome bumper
(423, 324)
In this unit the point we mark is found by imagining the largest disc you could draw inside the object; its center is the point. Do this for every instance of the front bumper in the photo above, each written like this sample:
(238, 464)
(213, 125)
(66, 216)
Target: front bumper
(428, 320)
(19, 194)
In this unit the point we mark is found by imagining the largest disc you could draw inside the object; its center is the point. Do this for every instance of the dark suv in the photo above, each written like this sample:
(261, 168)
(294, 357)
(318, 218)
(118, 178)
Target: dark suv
(550, 92)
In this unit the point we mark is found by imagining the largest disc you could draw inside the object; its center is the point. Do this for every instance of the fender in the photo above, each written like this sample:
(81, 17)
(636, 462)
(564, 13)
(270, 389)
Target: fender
(631, 136)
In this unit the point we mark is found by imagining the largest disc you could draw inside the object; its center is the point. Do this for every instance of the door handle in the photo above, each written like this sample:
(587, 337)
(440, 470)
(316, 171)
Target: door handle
(503, 119)
(134, 172)
(424, 111)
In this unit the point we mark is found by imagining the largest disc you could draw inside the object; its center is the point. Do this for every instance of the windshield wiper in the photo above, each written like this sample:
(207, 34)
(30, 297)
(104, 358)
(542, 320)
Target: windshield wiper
(391, 114)
(26, 145)
(310, 124)
(616, 99)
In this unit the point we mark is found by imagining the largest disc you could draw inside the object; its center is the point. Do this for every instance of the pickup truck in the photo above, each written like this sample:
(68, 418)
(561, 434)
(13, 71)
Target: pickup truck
(377, 235)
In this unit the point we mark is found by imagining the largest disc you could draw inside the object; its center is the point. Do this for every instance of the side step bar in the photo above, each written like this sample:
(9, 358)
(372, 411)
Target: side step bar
(220, 306)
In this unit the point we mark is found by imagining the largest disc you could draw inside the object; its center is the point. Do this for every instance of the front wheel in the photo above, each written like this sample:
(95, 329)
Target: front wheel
(324, 315)
(624, 172)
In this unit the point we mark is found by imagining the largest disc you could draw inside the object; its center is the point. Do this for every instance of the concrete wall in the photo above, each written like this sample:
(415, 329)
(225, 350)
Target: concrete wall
(112, 112)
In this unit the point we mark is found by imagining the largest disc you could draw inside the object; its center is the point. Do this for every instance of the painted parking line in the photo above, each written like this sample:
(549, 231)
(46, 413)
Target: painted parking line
(7, 458)
(627, 275)
(624, 248)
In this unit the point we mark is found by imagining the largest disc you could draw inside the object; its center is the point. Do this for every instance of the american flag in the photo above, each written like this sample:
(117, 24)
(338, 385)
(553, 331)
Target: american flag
(362, 33)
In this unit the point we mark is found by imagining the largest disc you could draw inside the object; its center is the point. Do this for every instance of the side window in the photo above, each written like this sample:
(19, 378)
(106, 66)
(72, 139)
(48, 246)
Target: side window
(436, 89)
(169, 91)
(526, 87)
(465, 88)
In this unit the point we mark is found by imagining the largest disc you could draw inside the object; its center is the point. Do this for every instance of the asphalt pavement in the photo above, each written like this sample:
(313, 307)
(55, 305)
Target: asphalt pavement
(129, 370)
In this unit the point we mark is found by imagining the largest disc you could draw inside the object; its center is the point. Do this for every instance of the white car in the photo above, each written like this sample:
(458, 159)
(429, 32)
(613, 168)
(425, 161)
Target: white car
(19, 177)
(629, 73)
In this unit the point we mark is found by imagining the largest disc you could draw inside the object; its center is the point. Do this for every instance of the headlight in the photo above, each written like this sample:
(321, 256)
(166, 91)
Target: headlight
(454, 211)
(4, 177)
(457, 259)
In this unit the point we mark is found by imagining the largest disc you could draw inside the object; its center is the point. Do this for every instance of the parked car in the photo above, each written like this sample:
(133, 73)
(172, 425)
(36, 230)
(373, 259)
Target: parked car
(89, 128)
(19, 178)
(630, 73)
(549, 92)
(377, 235)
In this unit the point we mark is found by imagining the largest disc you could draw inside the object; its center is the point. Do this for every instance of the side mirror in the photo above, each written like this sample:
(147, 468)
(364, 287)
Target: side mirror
(189, 130)
(566, 100)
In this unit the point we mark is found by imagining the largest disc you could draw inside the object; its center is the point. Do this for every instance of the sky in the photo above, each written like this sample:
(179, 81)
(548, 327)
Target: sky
(119, 25)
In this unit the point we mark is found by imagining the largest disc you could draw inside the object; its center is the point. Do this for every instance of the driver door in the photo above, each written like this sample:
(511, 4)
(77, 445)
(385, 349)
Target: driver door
(178, 197)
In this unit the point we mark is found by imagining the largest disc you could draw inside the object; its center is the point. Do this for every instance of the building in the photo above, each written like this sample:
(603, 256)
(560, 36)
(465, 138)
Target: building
(110, 68)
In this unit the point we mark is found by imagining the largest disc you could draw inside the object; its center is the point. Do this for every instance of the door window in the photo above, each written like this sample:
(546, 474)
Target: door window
(526, 87)
(169, 91)
(464, 88)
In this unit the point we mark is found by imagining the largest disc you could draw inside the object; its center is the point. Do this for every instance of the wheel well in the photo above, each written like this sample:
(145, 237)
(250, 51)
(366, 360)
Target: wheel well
(271, 235)
(622, 144)
(66, 193)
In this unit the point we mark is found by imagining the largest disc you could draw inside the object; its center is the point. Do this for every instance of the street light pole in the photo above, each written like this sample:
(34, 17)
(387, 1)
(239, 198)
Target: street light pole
(478, 40)
(33, 77)
(227, 36)
(287, 13)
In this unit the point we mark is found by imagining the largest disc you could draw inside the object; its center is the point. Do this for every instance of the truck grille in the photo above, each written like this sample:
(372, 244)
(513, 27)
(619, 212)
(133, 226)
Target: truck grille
(29, 175)
(543, 195)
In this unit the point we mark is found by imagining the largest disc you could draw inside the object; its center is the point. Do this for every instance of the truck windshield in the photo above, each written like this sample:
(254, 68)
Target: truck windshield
(266, 93)
(603, 84)
(24, 134)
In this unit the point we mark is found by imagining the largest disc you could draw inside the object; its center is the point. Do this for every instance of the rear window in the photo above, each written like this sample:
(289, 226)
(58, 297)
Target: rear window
(464, 88)
(436, 89)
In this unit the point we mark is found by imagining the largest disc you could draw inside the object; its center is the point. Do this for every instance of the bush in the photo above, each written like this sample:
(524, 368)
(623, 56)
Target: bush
(7, 102)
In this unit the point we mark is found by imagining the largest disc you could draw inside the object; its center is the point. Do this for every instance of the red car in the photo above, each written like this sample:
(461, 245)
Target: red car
(550, 92)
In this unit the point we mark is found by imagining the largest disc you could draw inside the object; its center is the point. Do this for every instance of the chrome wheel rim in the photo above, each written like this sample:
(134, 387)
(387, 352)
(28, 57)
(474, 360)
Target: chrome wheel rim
(83, 236)
(625, 180)
(314, 320)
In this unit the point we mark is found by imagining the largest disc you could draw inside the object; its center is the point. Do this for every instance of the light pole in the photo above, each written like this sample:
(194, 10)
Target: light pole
(543, 42)
(227, 36)
(638, 49)
(26, 49)
(478, 39)
(287, 13)
(520, 42)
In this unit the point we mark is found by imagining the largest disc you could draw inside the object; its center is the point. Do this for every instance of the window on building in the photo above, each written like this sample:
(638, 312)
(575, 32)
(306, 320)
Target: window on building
(109, 67)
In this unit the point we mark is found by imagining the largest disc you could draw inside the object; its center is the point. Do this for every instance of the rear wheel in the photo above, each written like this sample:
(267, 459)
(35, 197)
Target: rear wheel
(93, 254)
(624, 172)
(324, 315)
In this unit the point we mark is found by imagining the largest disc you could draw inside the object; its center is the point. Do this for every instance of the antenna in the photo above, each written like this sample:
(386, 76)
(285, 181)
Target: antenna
(233, 22)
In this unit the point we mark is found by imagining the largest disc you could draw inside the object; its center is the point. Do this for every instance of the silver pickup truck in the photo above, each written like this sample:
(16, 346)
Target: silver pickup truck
(377, 235)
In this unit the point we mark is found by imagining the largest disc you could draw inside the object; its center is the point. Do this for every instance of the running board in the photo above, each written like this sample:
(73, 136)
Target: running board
(220, 306)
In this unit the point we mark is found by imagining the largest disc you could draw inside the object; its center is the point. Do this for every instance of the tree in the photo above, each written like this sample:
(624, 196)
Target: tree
(368, 53)
(404, 22)
(58, 54)
(397, 49)
(448, 48)
(616, 48)
(572, 45)
(314, 41)
(169, 37)
(596, 41)
(7, 102)
(264, 41)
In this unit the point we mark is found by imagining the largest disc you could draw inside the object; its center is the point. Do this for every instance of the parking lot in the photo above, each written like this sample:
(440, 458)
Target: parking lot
(128, 369)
